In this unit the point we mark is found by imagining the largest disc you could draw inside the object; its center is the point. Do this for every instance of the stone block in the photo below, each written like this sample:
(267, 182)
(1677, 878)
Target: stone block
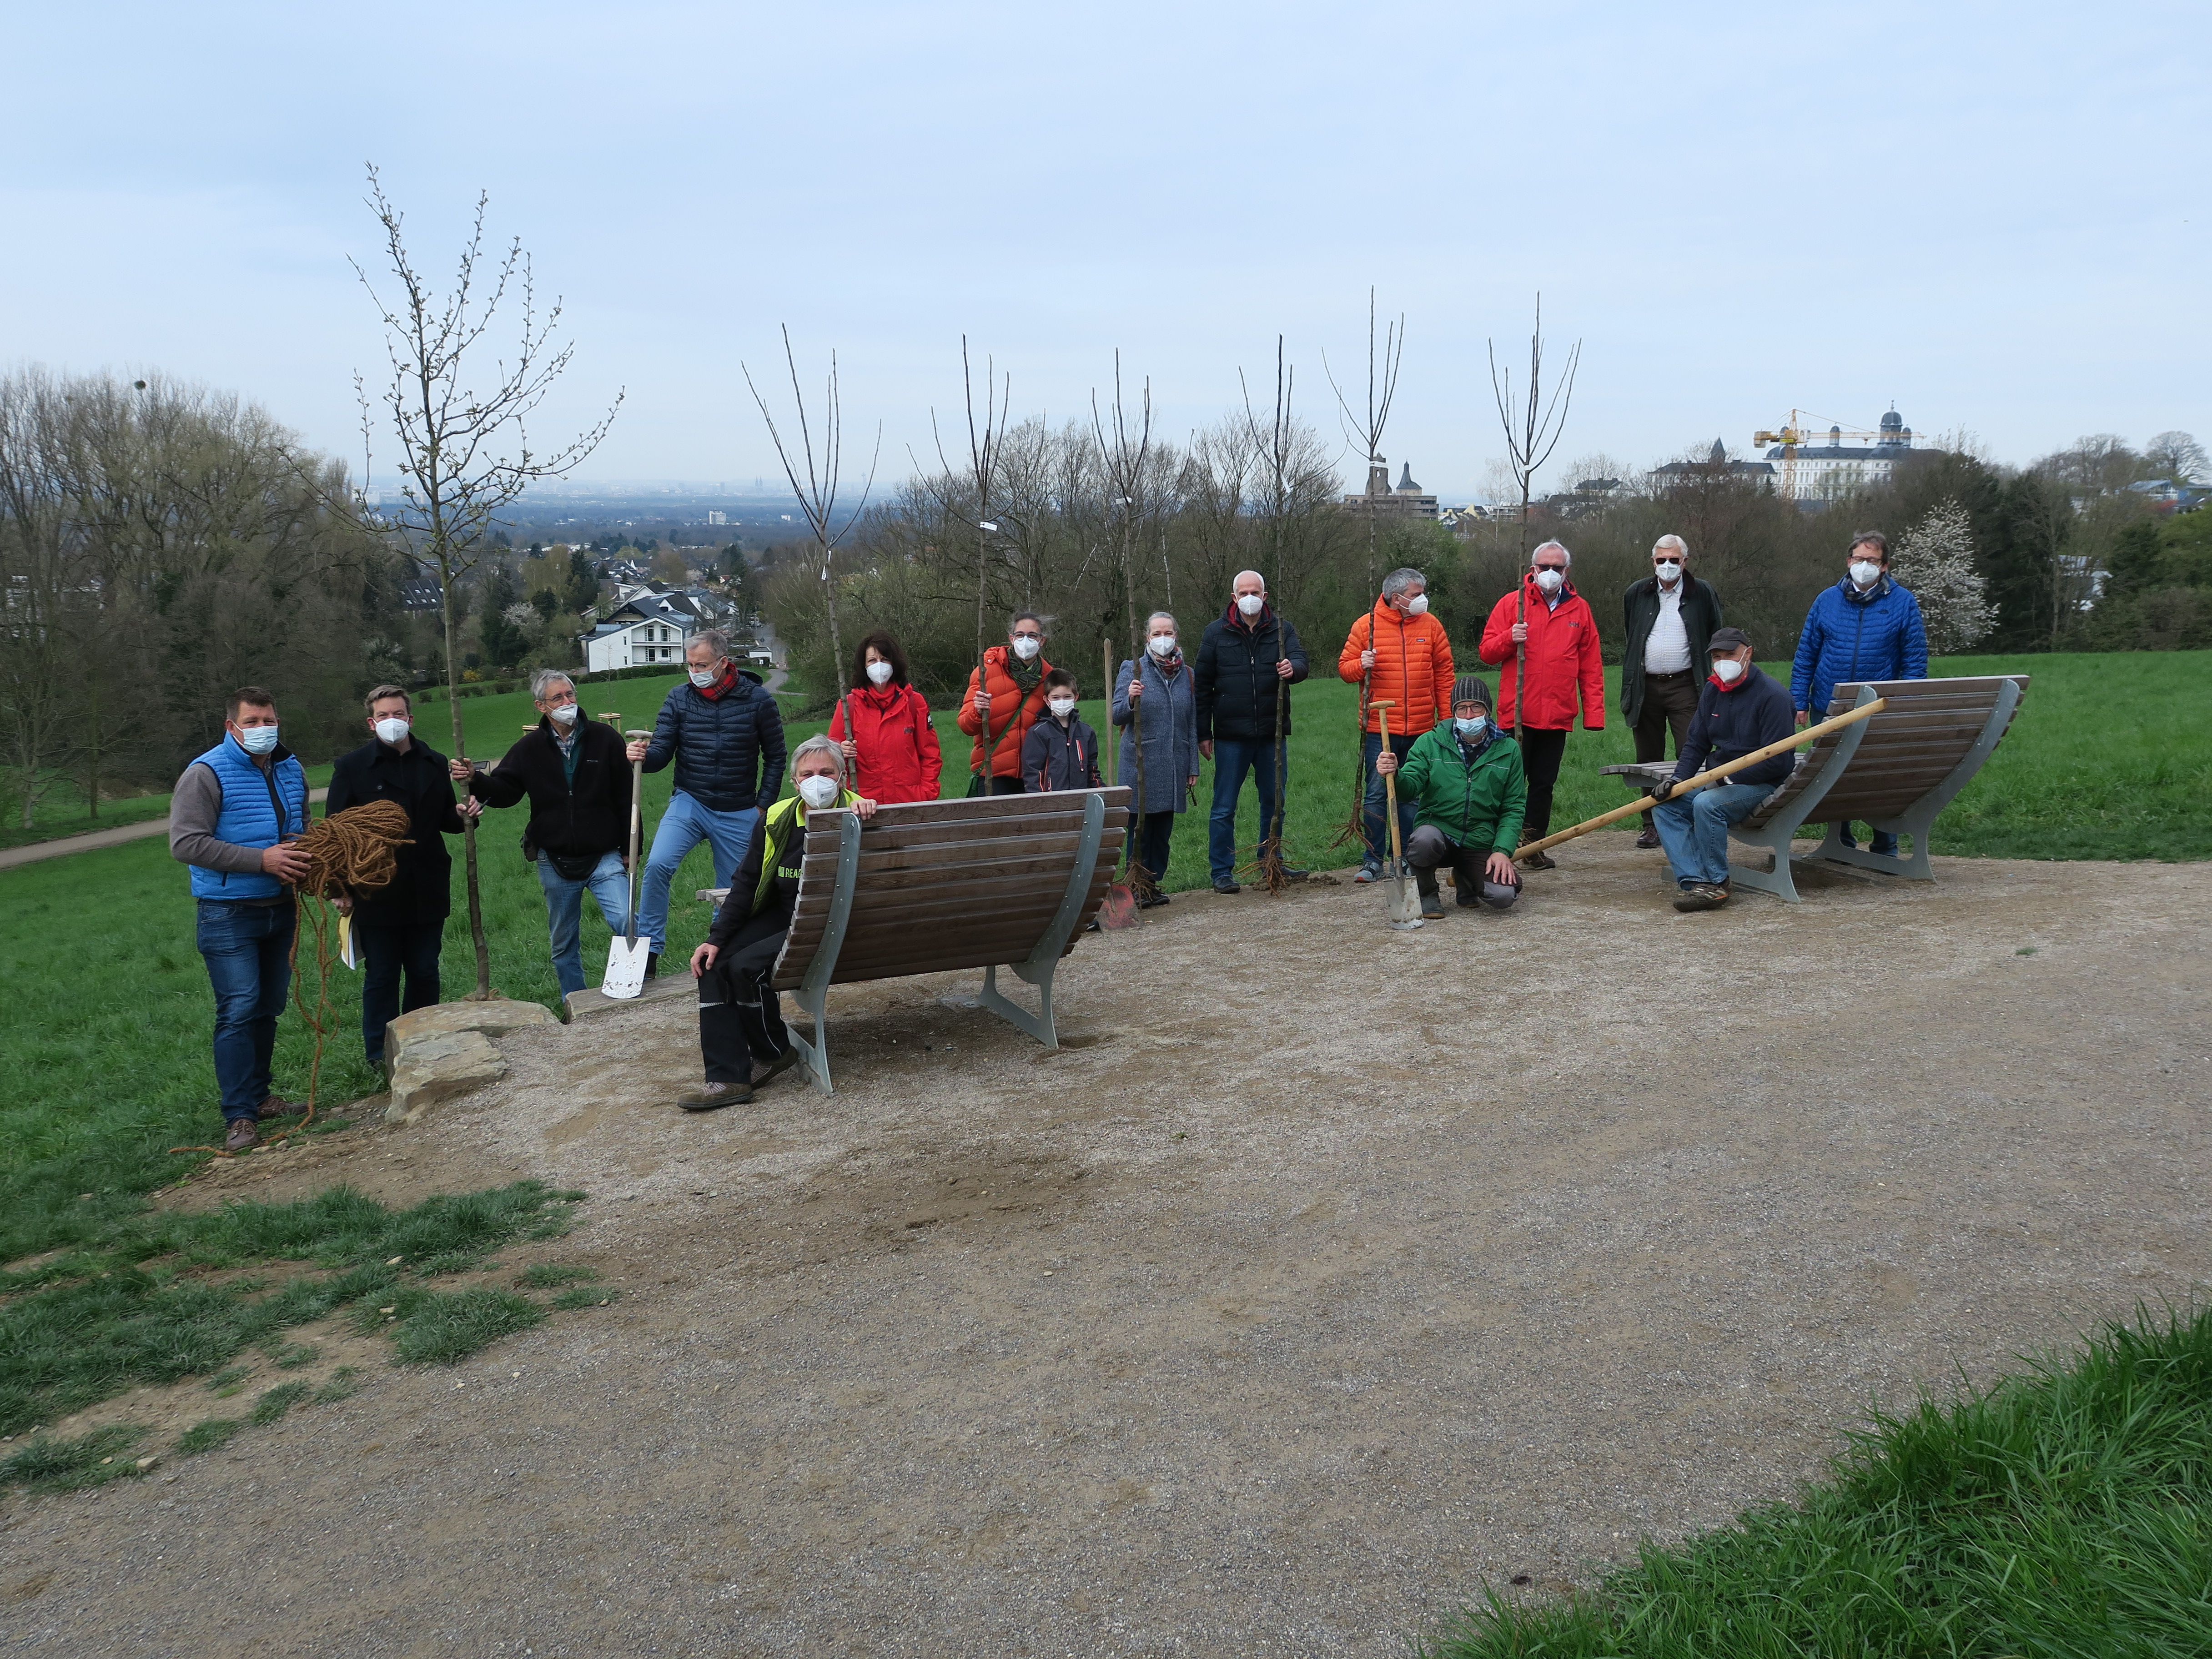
(495, 1018)
(430, 1069)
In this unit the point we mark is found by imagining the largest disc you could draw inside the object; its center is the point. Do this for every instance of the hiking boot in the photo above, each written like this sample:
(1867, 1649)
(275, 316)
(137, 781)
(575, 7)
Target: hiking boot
(714, 1096)
(1228, 885)
(652, 963)
(1369, 872)
(765, 1069)
(278, 1106)
(1154, 902)
(242, 1136)
(1700, 896)
(1647, 840)
(1432, 907)
(1539, 861)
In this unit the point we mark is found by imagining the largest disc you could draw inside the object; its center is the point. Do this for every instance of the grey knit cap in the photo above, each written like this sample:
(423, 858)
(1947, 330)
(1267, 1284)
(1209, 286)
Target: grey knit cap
(1471, 687)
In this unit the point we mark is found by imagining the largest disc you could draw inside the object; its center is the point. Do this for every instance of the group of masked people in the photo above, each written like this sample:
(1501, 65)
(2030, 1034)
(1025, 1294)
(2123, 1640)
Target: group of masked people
(1474, 777)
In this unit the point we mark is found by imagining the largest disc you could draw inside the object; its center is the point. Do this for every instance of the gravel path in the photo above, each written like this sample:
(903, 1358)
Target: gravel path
(1326, 1273)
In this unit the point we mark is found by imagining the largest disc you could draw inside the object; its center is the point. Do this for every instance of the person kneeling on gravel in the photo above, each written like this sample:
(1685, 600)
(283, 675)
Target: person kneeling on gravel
(1739, 710)
(742, 1037)
(1467, 791)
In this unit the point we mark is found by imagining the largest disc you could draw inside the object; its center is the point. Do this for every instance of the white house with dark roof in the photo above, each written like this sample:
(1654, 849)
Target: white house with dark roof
(646, 626)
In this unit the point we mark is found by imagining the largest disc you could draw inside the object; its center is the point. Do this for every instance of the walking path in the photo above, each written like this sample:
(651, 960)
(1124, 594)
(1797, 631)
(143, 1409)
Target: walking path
(12, 856)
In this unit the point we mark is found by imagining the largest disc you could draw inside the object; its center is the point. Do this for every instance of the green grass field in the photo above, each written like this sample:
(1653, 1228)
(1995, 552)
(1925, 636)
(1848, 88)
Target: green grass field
(2061, 1513)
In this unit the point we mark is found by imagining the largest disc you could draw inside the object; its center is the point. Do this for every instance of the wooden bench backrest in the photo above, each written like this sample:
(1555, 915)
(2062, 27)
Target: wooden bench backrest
(949, 883)
(1925, 729)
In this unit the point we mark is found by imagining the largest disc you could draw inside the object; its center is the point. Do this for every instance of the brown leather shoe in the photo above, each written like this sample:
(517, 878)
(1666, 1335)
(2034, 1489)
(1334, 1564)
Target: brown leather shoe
(714, 1096)
(1539, 861)
(1647, 840)
(278, 1106)
(243, 1135)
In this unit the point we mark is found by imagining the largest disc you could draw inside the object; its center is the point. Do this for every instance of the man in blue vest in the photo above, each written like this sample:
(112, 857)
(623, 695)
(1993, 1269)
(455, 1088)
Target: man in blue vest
(234, 810)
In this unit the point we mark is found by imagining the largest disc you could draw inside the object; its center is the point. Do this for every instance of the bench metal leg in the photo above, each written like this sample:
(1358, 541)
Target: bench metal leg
(815, 1053)
(1039, 1026)
(1038, 970)
(1776, 881)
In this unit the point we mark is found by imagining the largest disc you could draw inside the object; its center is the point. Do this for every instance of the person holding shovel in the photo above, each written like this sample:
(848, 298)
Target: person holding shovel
(1549, 625)
(1399, 655)
(577, 777)
(1739, 710)
(1155, 708)
(1006, 695)
(1246, 655)
(743, 1041)
(1469, 794)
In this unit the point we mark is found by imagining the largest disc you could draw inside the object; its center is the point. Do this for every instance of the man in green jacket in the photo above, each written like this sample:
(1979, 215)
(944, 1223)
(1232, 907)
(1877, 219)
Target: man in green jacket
(1469, 794)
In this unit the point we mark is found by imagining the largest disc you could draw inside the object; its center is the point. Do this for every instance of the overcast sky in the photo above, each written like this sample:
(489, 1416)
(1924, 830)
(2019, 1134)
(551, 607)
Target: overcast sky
(1993, 216)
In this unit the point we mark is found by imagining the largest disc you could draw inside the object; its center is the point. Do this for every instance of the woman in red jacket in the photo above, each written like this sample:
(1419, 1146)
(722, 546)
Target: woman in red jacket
(891, 744)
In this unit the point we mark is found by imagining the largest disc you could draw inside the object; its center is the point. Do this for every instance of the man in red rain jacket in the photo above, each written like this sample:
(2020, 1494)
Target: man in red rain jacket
(1561, 635)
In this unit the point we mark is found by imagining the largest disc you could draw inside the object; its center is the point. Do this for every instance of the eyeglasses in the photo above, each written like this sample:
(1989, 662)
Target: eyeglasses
(1026, 634)
(1561, 568)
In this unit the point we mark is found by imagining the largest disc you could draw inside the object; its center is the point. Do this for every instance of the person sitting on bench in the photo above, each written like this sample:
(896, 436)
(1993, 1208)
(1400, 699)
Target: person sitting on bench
(1469, 793)
(741, 1037)
(1739, 710)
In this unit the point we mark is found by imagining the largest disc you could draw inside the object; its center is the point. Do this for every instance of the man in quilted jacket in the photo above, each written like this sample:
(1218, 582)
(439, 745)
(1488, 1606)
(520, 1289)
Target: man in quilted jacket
(1864, 627)
(1398, 653)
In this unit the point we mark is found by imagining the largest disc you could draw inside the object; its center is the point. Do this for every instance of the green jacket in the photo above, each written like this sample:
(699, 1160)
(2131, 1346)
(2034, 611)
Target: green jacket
(1478, 803)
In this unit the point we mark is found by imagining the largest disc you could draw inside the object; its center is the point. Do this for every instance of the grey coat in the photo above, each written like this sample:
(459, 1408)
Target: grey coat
(1168, 708)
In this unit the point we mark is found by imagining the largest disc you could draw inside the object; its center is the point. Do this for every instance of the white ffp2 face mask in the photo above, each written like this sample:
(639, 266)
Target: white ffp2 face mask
(1550, 580)
(1730, 671)
(1667, 570)
(880, 672)
(1025, 647)
(1062, 707)
(1249, 604)
(816, 790)
(392, 728)
(1863, 571)
(564, 716)
(1417, 606)
(1161, 645)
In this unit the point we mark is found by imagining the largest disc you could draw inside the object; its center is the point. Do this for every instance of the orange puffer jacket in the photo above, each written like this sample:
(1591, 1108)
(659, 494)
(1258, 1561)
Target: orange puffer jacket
(1412, 668)
(1563, 657)
(1011, 714)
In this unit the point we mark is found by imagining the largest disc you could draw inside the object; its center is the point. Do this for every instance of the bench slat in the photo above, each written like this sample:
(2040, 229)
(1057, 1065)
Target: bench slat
(988, 808)
(1008, 832)
(893, 877)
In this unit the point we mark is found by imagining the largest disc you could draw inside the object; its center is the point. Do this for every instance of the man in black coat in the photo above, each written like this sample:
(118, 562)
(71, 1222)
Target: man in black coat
(397, 928)
(725, 735)
(577, 777)
(1670, 616)
(1246, 654)
(1740, 710)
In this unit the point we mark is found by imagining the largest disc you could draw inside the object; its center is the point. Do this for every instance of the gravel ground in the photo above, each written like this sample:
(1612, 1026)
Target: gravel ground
(1326, 1274)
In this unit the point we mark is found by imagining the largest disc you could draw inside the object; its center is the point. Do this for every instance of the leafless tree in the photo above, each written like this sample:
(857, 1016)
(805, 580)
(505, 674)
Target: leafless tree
(817, 493)
(1533, 431)
(464, 440)
(1381, 390)
(984, 458)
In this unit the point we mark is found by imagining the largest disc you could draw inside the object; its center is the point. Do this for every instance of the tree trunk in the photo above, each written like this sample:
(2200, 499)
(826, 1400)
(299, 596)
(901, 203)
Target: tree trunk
(482, 992)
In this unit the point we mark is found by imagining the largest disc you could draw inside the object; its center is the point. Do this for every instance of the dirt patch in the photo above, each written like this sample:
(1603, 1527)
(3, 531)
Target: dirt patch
(1326, 1273)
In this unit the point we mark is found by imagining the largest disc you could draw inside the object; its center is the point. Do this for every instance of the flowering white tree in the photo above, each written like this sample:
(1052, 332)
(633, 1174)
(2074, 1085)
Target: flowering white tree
(1935, 559)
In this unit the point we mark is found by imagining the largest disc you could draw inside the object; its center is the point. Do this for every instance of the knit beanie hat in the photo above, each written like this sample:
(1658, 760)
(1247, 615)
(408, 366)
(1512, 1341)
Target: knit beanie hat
(1471, 687)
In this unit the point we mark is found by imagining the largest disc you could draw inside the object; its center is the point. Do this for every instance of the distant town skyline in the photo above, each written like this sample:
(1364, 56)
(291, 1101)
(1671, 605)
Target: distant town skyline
(1975, 218)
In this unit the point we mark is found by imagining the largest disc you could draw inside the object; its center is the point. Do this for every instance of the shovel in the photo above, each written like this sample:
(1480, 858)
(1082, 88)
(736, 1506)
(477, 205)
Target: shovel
(1401, 900)
(626, 953)
(1119, 908)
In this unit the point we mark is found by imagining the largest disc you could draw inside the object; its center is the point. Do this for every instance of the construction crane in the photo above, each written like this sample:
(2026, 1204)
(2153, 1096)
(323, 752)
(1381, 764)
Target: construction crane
(1799, 432)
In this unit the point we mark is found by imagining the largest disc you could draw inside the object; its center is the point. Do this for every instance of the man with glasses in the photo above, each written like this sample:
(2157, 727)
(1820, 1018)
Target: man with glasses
(1559, 635)
(724, 733)
(577, 777)
(1669, 617)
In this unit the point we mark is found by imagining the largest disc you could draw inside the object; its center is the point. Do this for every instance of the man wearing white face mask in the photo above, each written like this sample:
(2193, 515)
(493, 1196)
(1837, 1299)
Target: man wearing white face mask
(397, 928)
(1864, 627)
(1399, 655)
(1670, 614)
(1740, 709)
(1560, 635)
(1246, 656)
(235, 811)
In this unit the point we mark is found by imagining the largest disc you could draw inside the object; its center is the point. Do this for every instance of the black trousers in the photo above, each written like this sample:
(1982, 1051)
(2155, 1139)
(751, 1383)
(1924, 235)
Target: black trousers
(1540, 754)
(740, 1019)
(1670, 702)
(1008, 787)
(1153, 845)
(409, 948)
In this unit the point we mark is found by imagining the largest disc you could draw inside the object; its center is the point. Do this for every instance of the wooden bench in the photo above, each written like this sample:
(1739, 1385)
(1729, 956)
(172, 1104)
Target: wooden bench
(1896, 770)
(924, 888)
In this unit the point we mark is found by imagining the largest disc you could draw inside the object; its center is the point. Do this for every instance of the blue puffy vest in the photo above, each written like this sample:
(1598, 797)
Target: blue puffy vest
(254, 814)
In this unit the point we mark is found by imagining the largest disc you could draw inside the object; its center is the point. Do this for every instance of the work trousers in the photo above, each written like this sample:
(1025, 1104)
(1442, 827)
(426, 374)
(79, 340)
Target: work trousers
(1233, 759)
(741, 1018)
(1431, 846)
(683, 827)
(248, 951)
(1008, 787)
(386, 952)
(1540, 754)
(1670, 702)
(1374, 815)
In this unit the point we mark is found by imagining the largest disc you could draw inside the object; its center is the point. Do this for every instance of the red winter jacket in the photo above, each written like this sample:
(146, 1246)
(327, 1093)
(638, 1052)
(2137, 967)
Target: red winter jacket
(1563, 652)
(898, 757)
(1011, 714)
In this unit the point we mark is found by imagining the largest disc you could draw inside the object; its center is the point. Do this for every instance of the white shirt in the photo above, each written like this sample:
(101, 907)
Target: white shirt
(1667, 650)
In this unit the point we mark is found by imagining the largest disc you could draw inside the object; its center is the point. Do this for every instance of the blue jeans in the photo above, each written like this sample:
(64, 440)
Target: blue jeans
(564, 911)
(248, 949)
(683, 827)
(1373, 815)
(1693, 828)
(385, 952)
(1233, 759)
